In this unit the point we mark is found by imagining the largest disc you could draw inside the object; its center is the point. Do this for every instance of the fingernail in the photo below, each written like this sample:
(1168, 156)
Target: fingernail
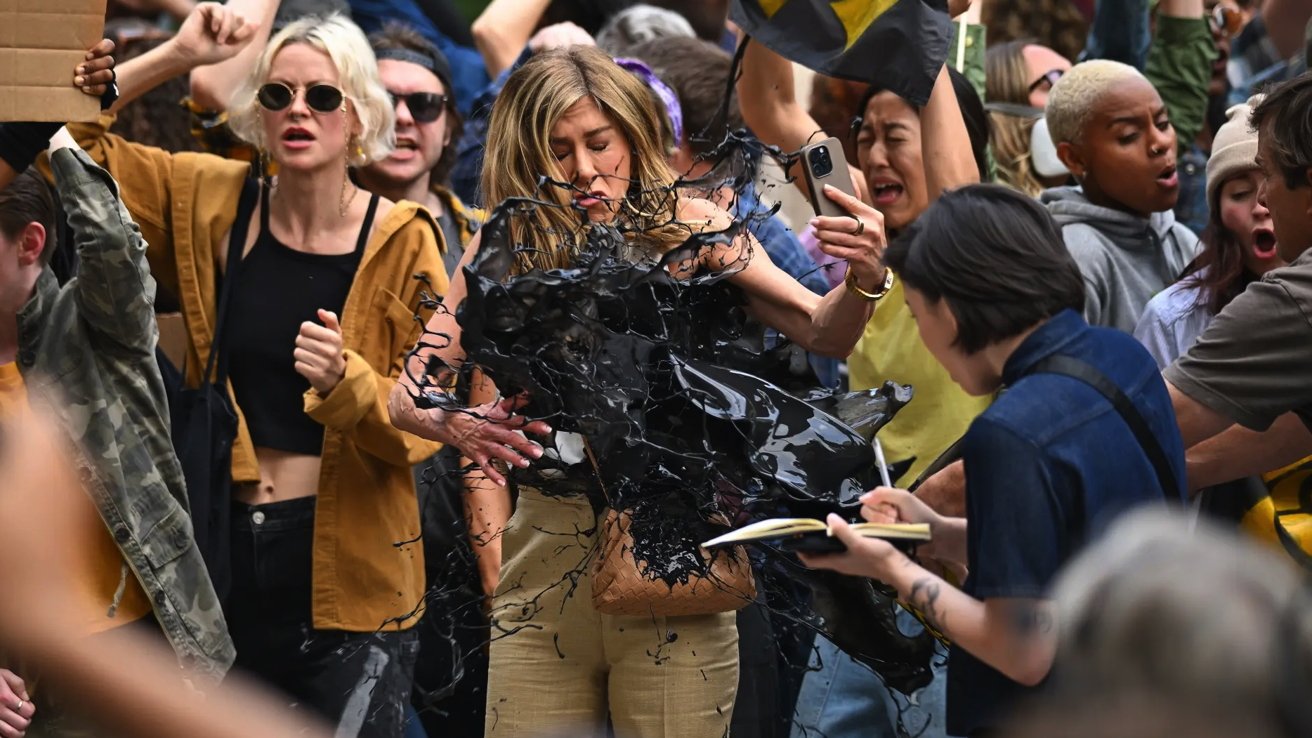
(81, 70)
(537, 452)
(550, 429)
(87, 90)
(523, 463)
(814, 222)
(78, 80)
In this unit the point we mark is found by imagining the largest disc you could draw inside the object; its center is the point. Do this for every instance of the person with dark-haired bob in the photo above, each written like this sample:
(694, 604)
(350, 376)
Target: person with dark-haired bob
(997, 300)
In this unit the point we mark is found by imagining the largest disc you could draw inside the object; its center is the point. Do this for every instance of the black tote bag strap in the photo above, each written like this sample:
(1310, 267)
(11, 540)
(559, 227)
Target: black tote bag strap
(250, 190)
(1086, 373)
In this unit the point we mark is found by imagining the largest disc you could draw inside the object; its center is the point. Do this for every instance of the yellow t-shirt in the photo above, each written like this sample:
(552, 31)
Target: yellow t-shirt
(97, 564)
(939, 412)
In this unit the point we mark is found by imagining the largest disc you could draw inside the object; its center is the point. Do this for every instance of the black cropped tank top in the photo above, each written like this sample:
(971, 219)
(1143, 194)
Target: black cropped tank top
(277, 289)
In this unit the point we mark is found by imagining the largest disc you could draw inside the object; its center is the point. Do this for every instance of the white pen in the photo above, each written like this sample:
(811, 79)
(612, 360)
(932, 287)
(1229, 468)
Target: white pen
(883, 463)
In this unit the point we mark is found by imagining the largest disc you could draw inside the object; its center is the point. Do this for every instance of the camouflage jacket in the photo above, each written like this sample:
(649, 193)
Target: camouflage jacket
(87, 351)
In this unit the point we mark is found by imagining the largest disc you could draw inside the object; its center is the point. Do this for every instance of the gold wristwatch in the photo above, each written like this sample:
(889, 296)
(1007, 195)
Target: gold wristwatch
(854, 288)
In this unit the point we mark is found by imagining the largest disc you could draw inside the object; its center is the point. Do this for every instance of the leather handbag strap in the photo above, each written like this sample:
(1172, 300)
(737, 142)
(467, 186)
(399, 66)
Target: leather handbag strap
(236, 244)
(1085, 372)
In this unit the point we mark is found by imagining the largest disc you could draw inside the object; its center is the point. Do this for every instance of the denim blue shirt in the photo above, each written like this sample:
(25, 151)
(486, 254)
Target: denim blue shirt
(779, 242)
(1048, 466)
(468, 170)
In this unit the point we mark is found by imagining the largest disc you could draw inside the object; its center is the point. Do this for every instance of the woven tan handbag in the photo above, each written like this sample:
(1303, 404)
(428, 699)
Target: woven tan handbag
(619, 587)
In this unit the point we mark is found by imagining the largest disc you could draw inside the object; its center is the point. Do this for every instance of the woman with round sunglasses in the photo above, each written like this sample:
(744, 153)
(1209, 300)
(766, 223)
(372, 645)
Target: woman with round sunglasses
(417, 76)
(327, 574)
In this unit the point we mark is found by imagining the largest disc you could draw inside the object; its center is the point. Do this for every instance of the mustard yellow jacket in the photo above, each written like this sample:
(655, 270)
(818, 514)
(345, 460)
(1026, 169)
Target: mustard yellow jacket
(368, 562)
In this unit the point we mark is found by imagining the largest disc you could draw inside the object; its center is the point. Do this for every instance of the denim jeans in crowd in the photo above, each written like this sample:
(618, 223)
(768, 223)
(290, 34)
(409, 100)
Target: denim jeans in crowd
(845, 699)
(360, 682)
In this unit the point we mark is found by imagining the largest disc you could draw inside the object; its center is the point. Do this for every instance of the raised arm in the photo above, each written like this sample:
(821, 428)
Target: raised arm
(1180, 65)
(503, 28)
(768, 101)
(949, 160)
(21, 143)
(213, 85)
(114, 291)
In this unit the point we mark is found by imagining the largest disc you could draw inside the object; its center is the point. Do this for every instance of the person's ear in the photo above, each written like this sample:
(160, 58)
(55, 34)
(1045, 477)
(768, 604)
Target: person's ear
(31, 244)
(950, 318)
(1073, 157)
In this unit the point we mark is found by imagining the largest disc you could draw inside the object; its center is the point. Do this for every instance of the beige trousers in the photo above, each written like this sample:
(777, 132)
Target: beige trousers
(558, 667)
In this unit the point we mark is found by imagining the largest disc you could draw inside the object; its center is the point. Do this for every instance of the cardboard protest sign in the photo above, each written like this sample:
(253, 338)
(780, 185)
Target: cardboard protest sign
(41, 43)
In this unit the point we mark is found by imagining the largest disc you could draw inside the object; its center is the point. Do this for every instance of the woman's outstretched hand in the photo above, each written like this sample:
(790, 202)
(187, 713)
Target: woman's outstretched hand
(494, 432)
(488, 434)
(858, 238)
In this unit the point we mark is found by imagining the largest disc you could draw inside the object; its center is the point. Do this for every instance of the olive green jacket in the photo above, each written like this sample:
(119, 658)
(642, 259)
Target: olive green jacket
(87, 353)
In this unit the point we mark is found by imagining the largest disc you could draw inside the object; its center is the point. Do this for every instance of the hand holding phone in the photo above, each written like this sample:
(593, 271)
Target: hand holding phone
(823, 164)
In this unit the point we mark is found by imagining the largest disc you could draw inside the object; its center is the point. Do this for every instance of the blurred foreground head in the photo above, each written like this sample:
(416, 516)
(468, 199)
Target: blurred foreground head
(1196, 622)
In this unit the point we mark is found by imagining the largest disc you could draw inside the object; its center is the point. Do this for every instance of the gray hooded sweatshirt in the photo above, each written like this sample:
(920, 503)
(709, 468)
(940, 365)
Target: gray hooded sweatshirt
(1125, 259)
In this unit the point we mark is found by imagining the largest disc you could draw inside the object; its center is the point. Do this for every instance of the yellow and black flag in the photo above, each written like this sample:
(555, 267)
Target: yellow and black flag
(896, 44)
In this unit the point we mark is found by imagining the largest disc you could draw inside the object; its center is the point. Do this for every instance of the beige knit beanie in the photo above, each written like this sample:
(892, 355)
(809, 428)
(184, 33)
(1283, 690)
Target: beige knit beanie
(1234, 149)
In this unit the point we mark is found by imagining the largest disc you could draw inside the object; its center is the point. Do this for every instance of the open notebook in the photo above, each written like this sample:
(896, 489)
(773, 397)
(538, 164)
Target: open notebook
(813, 536)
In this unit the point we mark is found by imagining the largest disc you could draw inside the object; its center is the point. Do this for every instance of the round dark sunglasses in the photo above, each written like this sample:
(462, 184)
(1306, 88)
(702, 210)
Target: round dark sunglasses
(424, 107)
(277, 96)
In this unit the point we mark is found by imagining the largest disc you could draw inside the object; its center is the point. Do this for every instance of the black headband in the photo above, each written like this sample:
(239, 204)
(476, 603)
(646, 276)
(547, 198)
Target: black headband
(433, 62)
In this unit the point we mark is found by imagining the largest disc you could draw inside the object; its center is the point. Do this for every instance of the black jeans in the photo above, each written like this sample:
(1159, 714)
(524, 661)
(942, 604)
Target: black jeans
(360, 682)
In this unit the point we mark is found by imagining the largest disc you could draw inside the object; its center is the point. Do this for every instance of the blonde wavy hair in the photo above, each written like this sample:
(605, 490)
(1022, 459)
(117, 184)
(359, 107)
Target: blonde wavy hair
(518, 155)
(1006, 78)
(357, 69)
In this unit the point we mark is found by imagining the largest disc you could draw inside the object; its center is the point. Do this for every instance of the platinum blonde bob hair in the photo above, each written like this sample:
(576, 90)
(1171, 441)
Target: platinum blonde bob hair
(357, 69)
(1076, 95)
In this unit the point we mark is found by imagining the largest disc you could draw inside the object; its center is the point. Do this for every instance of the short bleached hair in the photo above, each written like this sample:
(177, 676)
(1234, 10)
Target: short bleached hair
(1076, 95)
(357, 70)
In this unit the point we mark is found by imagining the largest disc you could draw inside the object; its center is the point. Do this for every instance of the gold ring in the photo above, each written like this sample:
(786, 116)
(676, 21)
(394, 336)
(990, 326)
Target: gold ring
(860, 227)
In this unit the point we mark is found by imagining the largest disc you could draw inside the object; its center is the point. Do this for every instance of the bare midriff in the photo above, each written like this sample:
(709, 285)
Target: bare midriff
(283, 476)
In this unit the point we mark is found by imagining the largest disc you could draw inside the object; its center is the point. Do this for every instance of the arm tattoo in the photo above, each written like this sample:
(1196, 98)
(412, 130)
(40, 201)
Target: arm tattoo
(1028, 620)
(924, 593)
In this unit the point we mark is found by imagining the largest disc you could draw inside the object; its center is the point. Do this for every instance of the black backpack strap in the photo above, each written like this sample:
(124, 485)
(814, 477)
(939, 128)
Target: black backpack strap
(250, 190)
(1085, 372)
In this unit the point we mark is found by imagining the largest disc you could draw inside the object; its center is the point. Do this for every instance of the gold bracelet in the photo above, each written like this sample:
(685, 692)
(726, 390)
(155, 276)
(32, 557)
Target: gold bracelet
(854, 288)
